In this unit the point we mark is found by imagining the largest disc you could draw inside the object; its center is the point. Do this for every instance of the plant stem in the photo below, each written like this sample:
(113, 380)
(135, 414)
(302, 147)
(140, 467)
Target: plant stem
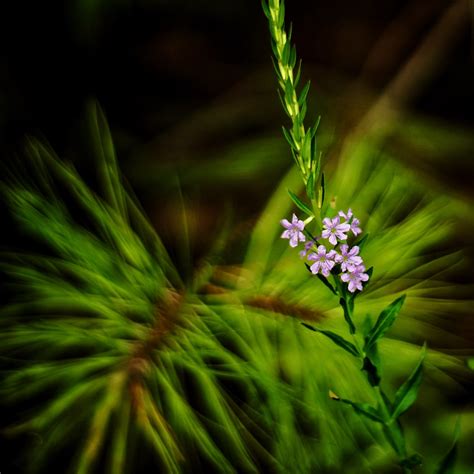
(391, 430)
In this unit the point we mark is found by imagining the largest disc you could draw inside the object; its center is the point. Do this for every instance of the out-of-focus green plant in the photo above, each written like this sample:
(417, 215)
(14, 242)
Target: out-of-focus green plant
(127, 352)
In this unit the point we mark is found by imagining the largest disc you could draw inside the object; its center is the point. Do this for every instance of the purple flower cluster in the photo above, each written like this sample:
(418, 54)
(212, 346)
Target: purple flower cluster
(323, 259)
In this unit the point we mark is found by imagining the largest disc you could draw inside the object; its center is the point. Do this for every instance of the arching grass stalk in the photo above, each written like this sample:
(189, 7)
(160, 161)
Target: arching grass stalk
(336, 264)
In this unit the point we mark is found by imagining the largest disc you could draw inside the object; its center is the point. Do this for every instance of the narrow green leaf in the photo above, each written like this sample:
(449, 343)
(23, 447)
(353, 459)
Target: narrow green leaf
(385, 320)
(326, 283)
(292, 61)
(372, 353)
(318, 165)
(387, 401)
(394, 435)
(104, 150)
(295, 156)
(298, 74)
(281, 15)
(316, 124)
(286, 53)
(274, 49)
(446, 465)
(306, 150)
(300, 204)
(363, 409)
(265, 9)
(277, 70)
(295, 131)
(288, 138)
(338, 340)
(371, 368)
(304, 94)
(314, 147)
(310, 186)
(347, 314)
(303, 110)
(290, 32)
(283, 104)
(407, 393)
(321, 193)
(288, 88)
(323, 280)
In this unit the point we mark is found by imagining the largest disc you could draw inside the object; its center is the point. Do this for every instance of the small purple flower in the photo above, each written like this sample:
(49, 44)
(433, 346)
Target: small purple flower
(307, 247)
(324, 262)
(293, 231)
(348, 258)
(355, 226)
(355, 276)
(334, 230)
(346, 216)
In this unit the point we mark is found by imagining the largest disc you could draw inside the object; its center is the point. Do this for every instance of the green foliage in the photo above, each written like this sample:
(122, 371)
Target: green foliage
(407, 393)
(302, 142)
(347, 304)
(413, 461)
(300, 204)
(384, 322)
(446, 465)
(338, 340)
(364, 409)
(105, 325)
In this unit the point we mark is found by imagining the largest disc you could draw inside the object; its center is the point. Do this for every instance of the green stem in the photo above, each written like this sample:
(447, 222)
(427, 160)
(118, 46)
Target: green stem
(391, 430)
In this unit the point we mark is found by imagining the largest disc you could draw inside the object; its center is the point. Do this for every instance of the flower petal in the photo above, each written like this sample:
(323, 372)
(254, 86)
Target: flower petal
(315, 267)
(354, 250)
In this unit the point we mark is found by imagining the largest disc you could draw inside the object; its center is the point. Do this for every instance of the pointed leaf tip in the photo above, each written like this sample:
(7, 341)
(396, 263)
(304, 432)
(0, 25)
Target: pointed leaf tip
(408, 392)
(385, 321)
(300, 204)
(333, 396)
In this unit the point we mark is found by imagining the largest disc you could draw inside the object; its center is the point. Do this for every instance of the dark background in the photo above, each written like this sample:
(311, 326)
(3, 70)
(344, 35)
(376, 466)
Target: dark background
(152, 63)
(186, 82)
